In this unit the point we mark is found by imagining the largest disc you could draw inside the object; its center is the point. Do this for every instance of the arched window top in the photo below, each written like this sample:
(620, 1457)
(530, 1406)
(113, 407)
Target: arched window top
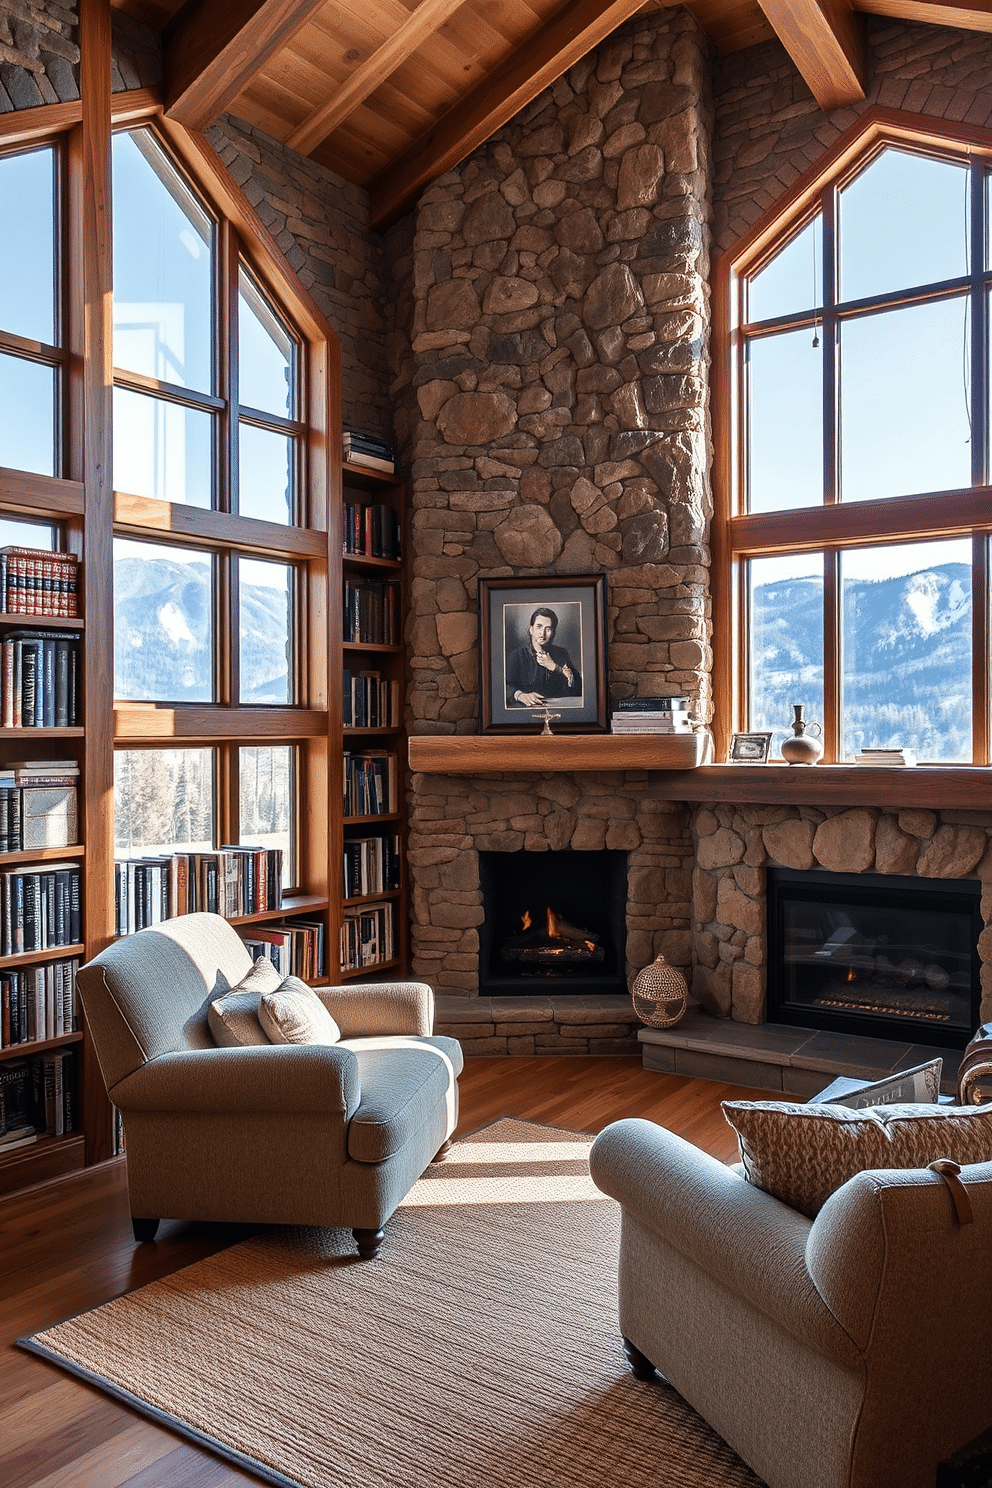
(854, 419)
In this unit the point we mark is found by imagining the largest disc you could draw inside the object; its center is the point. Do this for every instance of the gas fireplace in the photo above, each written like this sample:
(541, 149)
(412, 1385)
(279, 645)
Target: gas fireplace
(865, 953)
(553, 921)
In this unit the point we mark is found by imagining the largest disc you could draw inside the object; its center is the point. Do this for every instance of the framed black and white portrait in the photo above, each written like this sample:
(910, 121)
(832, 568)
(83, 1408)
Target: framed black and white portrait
(543, 649)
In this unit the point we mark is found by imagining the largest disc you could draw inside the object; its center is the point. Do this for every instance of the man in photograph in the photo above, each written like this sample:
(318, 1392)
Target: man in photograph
(539, 671)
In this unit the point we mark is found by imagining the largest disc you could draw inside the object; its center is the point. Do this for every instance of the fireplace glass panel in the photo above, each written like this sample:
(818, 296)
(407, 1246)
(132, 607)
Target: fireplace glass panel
(865, 953)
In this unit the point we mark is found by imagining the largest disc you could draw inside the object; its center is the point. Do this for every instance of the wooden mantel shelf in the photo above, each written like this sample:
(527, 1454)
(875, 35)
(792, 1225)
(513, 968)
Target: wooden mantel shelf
(486, 754)
(965, 788)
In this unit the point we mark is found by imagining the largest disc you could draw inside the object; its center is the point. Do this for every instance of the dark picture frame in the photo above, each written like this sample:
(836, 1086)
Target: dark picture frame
(560, 660)
(750, 749)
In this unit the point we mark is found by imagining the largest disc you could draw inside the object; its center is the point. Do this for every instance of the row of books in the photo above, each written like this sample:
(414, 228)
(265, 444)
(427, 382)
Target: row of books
(34, 581)
(38, 1097)
(40, 908)
(295, 948)
(232, 881)
(39, 1002)
(371, 531)
(368, 936)
(39, 685)
(37, 816)
(371, 866)
(370, 700)
(652, 715)
(371, 613)
(369, 450)
(369, 784)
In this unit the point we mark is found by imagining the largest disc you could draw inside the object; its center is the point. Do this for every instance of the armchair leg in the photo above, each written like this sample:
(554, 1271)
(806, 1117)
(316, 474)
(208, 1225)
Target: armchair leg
(368, 1242)
(641, 1366)
(442, 1151)
(144, 1229)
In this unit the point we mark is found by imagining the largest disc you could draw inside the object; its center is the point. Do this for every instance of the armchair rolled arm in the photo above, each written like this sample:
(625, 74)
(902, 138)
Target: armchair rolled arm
(361, 1009)
(741, 1236)
(280, 1078)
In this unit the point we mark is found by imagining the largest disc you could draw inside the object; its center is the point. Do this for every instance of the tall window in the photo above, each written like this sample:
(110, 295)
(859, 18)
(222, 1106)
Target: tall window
(861, 515)
(207, 397)
(31, 346)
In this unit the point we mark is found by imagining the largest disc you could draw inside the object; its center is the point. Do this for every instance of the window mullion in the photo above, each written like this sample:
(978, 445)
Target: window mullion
(980, 457)
(981, 647)
(832, 656)
(227, 362)
(831, 357)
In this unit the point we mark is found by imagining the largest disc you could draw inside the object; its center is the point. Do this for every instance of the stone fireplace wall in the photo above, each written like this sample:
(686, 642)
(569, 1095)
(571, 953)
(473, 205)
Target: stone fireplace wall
(453, 820)
(735, 844)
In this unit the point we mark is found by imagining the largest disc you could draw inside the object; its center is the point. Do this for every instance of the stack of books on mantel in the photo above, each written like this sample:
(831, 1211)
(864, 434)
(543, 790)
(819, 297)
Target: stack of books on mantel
(368, 450)
(885, 757)
(652, 715)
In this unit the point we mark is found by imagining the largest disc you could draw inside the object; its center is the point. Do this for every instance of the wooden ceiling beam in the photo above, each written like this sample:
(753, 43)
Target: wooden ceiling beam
(214, 48)
(429, 16)
(825, 39)
(578, 27)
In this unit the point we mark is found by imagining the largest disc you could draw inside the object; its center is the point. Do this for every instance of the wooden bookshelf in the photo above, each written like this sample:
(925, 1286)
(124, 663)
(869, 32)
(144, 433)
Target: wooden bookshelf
(369, 487)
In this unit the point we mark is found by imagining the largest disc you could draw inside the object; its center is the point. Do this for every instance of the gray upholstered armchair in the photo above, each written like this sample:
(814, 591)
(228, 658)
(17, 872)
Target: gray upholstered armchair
(309, 1134)
(847, 1351)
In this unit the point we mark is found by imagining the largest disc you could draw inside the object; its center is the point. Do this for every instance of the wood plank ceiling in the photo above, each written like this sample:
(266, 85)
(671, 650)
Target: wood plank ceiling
(392, 93)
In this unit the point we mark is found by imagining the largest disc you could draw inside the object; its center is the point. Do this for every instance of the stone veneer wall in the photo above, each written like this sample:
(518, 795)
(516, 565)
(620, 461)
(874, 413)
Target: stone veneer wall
(769, 128)
(735, 844)
(551, 374)
(39, 53)
(452, 820)
(551, 384)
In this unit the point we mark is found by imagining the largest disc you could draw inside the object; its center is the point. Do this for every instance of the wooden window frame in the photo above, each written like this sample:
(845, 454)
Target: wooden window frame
(834, 526)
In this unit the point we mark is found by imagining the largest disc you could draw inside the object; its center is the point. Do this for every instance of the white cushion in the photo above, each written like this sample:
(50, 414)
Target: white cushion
(292, 1013)
(233, 1018)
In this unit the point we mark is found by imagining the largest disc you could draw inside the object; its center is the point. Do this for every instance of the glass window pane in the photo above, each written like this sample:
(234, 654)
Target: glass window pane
(27, 245)
(268, 791)
(27, 416)
(163, 623)
(793, 280)
(785, 651)
(162, 449)
(903, 222)
(785, 422)
(163, 272)
(26, 535)
(904, 402)
(907, 649)
(163, 801)
(265, 630)
(266, 360)
(265, 482)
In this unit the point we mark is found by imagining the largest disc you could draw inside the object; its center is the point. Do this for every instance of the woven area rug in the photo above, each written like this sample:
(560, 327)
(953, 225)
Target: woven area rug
(480, 1350)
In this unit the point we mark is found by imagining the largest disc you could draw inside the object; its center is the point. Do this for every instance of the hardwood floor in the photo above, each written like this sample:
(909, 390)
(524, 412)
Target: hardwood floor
(67, 1246)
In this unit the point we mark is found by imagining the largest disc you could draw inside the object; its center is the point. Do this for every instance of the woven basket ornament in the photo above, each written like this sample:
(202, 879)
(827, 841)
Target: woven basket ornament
(659, 994)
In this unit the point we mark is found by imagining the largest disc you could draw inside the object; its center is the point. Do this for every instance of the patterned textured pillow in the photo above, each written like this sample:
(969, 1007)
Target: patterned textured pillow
(293, 1014)
(802, 1154)
(233, 1018)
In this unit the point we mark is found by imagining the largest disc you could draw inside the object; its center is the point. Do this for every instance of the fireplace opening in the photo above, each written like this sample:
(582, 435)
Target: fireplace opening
(553, 921)
(873, 954)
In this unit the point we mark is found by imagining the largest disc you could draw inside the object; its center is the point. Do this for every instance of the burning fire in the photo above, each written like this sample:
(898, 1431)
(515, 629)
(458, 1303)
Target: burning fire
(552, 929)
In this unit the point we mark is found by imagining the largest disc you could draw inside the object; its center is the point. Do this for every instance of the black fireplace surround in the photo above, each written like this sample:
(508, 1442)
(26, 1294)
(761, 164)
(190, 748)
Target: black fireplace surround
(586, 891)
(876, 955)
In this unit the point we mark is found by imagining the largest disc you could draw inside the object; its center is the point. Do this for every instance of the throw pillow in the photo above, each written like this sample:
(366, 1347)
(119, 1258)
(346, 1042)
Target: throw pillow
(293, 1014)
(233, 1018)
(802, 1154)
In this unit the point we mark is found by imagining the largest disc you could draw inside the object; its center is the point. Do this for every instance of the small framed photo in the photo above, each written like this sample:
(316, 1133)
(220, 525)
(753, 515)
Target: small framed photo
(542, 645)
(750, 749)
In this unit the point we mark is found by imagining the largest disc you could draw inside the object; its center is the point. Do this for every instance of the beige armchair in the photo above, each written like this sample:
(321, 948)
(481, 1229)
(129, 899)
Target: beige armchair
(848, 1351)
(307, 1134)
